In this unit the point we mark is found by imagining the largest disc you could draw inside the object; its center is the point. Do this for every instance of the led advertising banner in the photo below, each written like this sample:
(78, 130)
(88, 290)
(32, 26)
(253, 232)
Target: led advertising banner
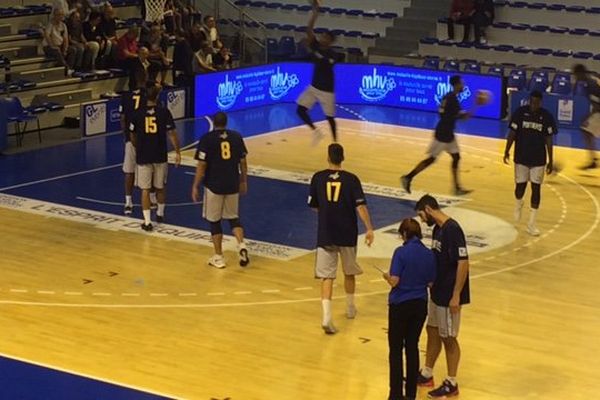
(386, 85)
(420, 89)
(243, 88)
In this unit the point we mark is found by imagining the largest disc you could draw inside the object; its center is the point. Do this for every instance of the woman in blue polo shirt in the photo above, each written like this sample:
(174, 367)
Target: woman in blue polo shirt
(411, 272)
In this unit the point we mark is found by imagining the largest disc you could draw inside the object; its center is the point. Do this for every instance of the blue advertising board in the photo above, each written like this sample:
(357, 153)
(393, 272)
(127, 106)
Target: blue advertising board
(420, 89)
(3, 128)
(250, 87)
(415, 88)
(569, 111)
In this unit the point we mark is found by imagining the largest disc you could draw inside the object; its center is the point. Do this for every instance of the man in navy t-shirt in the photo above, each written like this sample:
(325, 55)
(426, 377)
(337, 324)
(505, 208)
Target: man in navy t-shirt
(450, 291)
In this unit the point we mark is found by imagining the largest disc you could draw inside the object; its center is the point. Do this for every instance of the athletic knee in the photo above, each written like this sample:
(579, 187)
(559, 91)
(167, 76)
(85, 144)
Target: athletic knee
(301, 110)
(536, 195)
(520, 190)
(234, 223)
(427, 162)
(216, 228)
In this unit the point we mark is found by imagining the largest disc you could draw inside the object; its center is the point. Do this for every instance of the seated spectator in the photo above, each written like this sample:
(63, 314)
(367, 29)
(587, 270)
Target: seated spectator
(203, 59)
(172, 17)
(141, 70)
(127, 54)
(86, 51)
(483, 17)
(461, 12)
(93, 34)
(188, 13)
(62, 5)
(196, 37)
(56, 42)
(157, 43)
(222, 60)
(211, 34)
(108, 27)
(183, 72)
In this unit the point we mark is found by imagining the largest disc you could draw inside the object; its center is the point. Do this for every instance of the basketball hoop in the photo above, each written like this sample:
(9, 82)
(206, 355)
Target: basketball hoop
(155, 10)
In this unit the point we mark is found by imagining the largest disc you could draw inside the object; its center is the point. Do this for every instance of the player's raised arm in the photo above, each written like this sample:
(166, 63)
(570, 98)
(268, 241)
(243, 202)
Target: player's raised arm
(310, 28)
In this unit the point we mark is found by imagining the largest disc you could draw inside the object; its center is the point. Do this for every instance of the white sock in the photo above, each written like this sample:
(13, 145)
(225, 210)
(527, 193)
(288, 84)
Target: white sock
(147, 214)
(532, 216)
(520, 203)
(161, 210)
(128, 201)
(452, 380)
(350, 300)
(152, 197)
(427, 372)
(326, 303)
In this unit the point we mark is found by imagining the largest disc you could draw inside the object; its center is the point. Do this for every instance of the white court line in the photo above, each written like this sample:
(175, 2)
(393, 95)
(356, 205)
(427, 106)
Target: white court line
(116, 203)
(89, 376)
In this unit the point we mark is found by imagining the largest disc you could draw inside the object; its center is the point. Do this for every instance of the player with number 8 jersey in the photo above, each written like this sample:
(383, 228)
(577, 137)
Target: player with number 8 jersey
(221, 156)
(337, 196)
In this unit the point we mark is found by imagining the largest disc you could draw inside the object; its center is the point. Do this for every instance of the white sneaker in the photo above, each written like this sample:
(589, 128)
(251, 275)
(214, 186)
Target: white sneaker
(217, 261)
(351, 312)
(518, 212)
(318, 135)
(532, 230)
(243, 254)
(329, 329)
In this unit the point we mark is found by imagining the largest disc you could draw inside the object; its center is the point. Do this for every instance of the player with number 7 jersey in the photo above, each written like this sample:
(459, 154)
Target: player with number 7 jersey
(338, 197)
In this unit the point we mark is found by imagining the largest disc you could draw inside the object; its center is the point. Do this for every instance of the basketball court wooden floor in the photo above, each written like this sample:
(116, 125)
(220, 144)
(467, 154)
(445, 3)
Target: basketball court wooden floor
(144, 310)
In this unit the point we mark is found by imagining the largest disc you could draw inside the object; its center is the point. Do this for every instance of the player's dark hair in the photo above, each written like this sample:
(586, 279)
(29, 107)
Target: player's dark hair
(425, 201)
(410, 228)
(152, 92)
(335, 151)
(537, 94)
(455, 80)
(579, 69)
(220, 120)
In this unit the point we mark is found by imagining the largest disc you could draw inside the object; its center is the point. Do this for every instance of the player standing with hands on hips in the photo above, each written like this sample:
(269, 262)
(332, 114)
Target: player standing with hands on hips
(337, 196)
(532, 129)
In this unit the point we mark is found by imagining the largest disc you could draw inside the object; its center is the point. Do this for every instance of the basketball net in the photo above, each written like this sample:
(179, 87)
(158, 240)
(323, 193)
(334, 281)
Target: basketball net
(155, 10)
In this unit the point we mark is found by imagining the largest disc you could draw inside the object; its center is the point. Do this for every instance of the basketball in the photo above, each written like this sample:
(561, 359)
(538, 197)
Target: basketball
(484, 97)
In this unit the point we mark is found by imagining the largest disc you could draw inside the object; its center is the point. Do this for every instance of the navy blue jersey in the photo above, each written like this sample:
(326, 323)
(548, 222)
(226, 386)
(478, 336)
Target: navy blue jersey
(593, 92)
(336, 194)
(449, 113)
(324, 61)
(222, 150)
(449, 246)
(150, 125)
(130, 103)
(532, 130)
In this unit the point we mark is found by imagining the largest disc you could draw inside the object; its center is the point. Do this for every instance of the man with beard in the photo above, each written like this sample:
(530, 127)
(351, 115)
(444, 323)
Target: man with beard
(449, 292)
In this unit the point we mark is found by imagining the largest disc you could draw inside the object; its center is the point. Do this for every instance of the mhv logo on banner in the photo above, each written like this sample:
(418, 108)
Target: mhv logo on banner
(176, 103)
(95, 119)
(443, 88)
(376, 87)
(228, 93)
(282, 83)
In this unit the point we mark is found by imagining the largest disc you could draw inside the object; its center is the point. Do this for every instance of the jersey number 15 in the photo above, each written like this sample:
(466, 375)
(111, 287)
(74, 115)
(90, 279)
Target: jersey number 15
(151, 126)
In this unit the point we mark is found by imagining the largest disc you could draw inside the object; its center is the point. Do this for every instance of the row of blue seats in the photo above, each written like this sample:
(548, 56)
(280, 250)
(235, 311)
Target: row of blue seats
(302, 29)
(547, 6)
(45, 8)
(287, 48)
(582, 55)
(540, 28)
(307, 8)
(23, 84)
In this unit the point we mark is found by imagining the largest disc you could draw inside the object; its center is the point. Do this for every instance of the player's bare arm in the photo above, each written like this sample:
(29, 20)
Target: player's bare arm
(243, 176)
(550, 150)
(310, 28)
(175, 142)
(510, 139)
(363, 213)
(200, 171)
(461, 278)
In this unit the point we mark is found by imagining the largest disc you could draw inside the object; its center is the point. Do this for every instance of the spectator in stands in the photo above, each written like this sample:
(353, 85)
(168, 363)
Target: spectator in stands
(157, 43)
(62, 5)
(56, 42)
(203, 59)
(108, 27)
(141, 69)
(222, 60)
(172, 17)
(187, 11)
(86, 51)
(93, 34)
(211, 34)
(196, 37)
(482, 18)
(461, 12)
(183, 72)
(128, 53)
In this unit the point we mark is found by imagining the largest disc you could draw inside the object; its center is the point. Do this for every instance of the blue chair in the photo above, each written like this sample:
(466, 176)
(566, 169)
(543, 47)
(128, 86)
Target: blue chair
(355, 13)
(536, 6)
(388, 15)
(289, 7)
(539, 81)
(338, 11)
(576, 9)
(272, 48)
(580, 88)
(428, 40)
(555, 7)
(496, 70)
(472, 67)
(370, 35)
(287, 46)
(516, 80)
(431, 63)
(583, 55)
(559, 29)
(18, 115)
(451, 65)
(273, 6)
(579, 31)
(561, 87)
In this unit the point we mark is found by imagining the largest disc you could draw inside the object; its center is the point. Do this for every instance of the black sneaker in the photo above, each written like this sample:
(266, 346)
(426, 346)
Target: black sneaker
(244, 258)
(147, 227)
(591, 165)
(446, 390)
(405, 181)
(153, 206)
(160, 219)
(128, 210)
(424, 381)
(329, 329)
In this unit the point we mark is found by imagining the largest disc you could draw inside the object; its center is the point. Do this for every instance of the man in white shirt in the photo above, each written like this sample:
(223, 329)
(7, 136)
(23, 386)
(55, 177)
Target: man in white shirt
(56, 41)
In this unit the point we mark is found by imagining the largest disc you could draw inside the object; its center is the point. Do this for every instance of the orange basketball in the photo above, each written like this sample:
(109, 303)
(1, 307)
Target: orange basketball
(483, 97)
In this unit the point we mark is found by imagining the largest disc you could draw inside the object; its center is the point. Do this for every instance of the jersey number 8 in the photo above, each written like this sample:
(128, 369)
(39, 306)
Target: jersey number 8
(225, 150)
(151, 126)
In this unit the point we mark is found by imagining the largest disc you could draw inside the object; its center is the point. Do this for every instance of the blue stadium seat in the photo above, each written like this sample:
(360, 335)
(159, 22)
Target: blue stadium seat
(472, 67)
(503, 47)
(559, 29)
(289, 7)
(501, 25)
(338, 32)
(522, 50)
(431, 63)
(272, 48)
(536, 6)
(518, 4)
(258, 4)
(583, 55)
(272, 25)
(354, 34)
(496, 70)
(429, 40)
(561, 53)
(304, 8)
(579, 31)
(243, 3)
(516, 80)
(542, 52)
(338, 11)
(355, 13)
(465, 45)
(593, 10)
(18, 115)
(370, 14)
(287, 27)
(580, 88)
(556, 7)
(596, 57)
(451, 65)
(370, 35)
(356, 51)
(388, 15)
(520, 27)
(575, 9)
(540, 28)
(273, 6)
(562, 76)
(301, 29)
(287, 46)
(446, 43)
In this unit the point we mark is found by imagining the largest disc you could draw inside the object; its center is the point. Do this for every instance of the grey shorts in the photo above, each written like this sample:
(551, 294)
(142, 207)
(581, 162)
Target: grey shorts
(436, 148)
(129, 164)
(148, 176)
(327, 261)
(312, 95)
(220, 206)
(524, 174)
(440, 317)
